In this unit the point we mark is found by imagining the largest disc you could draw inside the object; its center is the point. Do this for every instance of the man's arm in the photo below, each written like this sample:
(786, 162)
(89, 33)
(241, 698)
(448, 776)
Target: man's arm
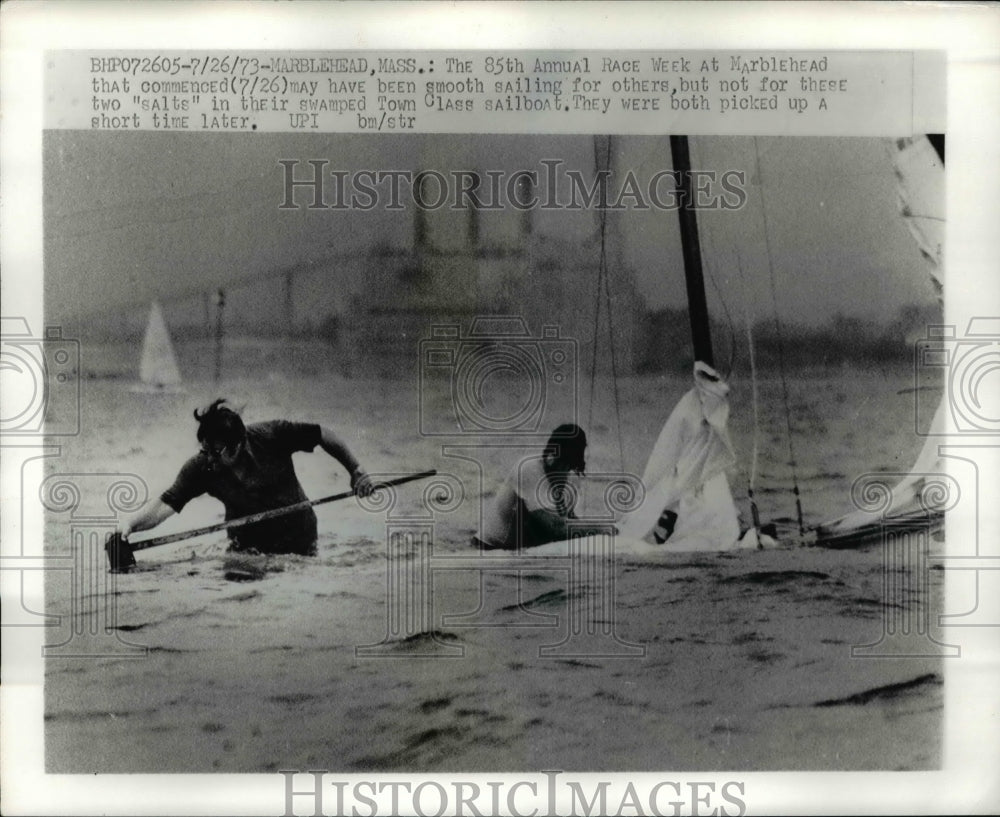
(545, 526)
(149, 516)
(333, 445)
(548, 526)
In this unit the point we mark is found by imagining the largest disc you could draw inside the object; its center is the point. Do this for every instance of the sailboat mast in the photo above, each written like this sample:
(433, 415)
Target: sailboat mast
(701, 335)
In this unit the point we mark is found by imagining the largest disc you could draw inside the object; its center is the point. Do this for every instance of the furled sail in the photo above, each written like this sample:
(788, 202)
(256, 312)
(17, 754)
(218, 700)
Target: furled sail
(686, 476)
(686, 472)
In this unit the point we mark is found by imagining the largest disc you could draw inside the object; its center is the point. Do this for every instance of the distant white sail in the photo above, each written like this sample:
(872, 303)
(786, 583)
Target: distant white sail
(158, 368)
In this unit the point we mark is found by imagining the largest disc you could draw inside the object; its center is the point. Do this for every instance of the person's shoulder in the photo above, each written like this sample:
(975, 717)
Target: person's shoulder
(525, 472)
(533, 465)
(196, 464)
(269, 427)
(264, 431)
(195, 460)
(290, 432)
(262, 425)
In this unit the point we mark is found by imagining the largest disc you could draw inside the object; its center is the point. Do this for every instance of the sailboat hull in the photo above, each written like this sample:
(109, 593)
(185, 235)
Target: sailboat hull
(878, 533)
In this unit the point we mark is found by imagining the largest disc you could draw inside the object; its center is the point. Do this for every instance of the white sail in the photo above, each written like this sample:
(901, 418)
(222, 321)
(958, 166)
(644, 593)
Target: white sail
(158, 368)
(920, 175)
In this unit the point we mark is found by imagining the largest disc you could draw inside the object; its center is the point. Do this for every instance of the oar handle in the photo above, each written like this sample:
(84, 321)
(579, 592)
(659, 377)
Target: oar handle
(142, 544)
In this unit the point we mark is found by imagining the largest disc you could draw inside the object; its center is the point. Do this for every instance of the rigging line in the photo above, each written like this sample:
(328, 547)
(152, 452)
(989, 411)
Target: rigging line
(755, 400)
(611, 328)
(753, 371)
(597, 296)
(781, 345)
(729, 317)
(604, 289)
(614, 373)
(593, 356)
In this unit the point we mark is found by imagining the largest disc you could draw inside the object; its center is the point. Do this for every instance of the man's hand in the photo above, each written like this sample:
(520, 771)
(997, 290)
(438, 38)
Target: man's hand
(361, 483)
(610, 530)
(121, 559)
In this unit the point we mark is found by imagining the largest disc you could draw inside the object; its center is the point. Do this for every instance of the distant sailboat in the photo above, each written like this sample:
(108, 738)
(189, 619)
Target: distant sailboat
(158, 370)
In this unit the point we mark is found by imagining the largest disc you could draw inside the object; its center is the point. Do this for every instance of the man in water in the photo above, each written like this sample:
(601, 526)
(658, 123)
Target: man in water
(536, 504)
(249, 469)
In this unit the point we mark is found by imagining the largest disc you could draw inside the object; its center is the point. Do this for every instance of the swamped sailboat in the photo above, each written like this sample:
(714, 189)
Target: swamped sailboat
(685, 478)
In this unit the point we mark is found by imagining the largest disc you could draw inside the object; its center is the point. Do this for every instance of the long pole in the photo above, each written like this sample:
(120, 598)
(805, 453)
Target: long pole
(701, 335)
(166, 539)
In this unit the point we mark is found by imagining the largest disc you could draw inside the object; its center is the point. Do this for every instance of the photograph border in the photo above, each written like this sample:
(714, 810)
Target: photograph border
(970, 34)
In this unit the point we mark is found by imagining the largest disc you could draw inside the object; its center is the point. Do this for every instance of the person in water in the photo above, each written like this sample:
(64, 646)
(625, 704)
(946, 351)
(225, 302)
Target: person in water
(536, 503)
(249, 469)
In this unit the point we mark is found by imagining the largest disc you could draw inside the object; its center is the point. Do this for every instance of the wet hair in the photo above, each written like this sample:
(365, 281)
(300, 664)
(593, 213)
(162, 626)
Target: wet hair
(569, 444)
(220, 424)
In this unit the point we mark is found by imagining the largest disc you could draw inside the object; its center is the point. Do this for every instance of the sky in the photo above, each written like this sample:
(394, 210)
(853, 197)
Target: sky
(130, 217)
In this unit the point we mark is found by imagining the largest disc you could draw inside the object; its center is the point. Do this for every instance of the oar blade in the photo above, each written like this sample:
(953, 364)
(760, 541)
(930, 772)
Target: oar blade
(121, 556)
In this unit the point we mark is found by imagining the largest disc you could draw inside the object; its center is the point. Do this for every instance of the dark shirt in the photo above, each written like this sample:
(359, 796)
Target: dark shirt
(262, 478)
